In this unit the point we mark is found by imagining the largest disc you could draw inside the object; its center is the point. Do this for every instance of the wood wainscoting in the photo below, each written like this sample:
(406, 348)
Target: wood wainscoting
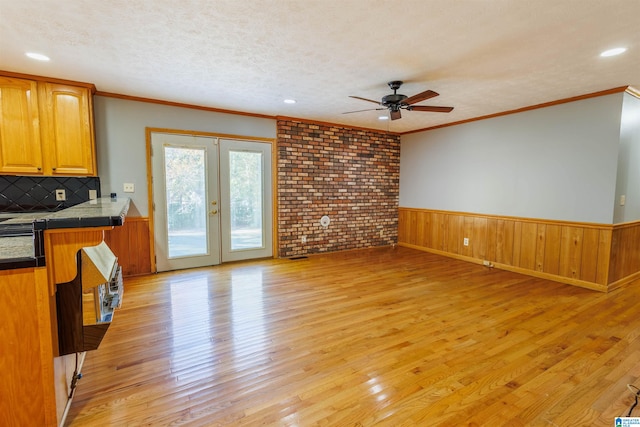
(624, 264)
(595, 256)
(130, 243)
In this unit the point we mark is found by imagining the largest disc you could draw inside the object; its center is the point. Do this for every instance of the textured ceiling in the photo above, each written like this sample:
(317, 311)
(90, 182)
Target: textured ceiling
(483, 57)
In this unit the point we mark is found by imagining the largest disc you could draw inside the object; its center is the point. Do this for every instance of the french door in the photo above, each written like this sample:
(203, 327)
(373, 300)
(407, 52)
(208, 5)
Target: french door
(246, 212)
(212, 200)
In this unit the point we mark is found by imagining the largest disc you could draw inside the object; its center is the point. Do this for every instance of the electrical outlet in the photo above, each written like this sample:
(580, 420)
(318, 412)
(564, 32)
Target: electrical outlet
(304, 239)
(465, 241)
(93, 194)
(61, 195)
(129, 188)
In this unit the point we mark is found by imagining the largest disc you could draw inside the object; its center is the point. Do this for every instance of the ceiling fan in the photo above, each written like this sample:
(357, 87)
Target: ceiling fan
(395, 102)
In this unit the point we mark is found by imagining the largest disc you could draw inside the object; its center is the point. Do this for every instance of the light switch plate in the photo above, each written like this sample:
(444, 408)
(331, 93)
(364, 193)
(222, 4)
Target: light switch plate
(61, 195)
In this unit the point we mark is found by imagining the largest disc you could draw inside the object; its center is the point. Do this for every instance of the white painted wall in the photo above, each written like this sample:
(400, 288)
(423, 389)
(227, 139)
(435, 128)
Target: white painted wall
(121, 144)
(552, 163)
(628, 182)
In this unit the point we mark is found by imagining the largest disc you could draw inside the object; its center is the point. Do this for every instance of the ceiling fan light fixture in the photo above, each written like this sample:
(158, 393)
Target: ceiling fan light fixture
(613, 52)
(37, 56)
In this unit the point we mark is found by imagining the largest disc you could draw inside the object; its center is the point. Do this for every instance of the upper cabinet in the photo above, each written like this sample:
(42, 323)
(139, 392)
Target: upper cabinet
(20, 146)
(67, 129)
(46, 128)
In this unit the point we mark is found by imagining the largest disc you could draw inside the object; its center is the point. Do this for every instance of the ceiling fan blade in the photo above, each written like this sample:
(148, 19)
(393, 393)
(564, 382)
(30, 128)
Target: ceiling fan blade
(359, 111)
(430, 108)
(427, 94)
(395, 115)
(365, 99)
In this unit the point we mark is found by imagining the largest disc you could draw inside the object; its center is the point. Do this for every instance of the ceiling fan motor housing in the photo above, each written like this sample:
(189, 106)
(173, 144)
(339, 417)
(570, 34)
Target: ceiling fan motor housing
(393, 99)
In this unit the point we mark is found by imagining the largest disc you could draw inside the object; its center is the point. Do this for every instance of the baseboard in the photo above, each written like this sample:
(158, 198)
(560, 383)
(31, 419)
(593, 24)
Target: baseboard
(524, 271)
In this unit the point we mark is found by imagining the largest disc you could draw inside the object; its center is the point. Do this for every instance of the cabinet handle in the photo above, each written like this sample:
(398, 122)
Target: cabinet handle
(39, 168)
(53, 169)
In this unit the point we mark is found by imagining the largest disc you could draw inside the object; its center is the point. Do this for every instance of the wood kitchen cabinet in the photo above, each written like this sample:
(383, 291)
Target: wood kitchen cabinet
(36, 381)
(46, 128)
(27, 395)
(67, 130)
(20, 144)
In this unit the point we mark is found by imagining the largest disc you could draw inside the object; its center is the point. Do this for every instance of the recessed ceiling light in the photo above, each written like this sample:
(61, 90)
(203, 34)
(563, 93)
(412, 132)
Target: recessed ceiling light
(383, 118)
(614, 52)
(289, 101)
(38, 56)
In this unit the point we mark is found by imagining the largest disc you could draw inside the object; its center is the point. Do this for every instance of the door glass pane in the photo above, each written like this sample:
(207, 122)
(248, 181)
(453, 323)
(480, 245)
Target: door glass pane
(245, 190)
(186, 201)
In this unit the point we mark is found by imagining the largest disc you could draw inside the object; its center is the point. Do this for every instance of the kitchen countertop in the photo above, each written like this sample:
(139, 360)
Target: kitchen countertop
(24, 251)
(17, 252)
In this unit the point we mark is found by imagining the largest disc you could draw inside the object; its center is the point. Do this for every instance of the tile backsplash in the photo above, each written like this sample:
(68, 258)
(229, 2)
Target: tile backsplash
(33, 193)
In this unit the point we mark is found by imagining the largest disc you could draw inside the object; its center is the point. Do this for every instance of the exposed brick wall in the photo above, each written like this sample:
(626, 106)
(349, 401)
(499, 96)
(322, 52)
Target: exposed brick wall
(351, 175)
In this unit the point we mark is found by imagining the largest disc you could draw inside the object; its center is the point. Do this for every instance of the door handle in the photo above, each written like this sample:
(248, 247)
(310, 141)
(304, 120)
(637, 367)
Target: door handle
(213, 212)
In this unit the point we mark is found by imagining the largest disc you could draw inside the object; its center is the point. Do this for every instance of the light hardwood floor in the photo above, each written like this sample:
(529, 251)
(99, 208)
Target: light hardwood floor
(385, 337)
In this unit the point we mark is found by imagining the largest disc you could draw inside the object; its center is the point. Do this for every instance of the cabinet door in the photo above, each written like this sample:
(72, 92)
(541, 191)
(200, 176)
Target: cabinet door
(20, 147)
(27, 395)
(69, 147)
